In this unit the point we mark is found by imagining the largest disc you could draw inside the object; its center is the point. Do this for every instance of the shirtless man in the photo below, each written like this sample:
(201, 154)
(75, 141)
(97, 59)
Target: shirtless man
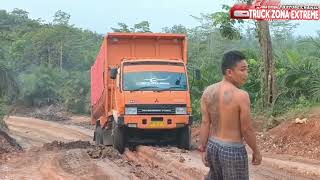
(226, 123)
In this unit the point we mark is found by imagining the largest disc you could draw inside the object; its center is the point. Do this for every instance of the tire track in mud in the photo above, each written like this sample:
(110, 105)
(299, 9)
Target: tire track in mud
(151, 170)
(136, 169)
(38, 132)
(146, 162)
(263, 172)
(73, 165)
(173, 163)
(61, 163)
(55, 160)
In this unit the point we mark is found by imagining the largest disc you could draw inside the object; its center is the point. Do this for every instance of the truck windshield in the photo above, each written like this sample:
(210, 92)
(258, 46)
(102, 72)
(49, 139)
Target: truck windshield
(154, 81)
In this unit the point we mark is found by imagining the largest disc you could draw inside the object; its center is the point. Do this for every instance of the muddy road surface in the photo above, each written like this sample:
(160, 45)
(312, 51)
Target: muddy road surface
(64, 150)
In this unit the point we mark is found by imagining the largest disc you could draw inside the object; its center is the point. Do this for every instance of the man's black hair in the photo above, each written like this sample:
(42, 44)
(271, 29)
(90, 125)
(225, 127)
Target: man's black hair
(230, 60)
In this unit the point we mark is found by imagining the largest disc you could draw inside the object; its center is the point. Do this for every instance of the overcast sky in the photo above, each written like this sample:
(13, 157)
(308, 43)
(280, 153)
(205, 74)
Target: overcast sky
(101, 15)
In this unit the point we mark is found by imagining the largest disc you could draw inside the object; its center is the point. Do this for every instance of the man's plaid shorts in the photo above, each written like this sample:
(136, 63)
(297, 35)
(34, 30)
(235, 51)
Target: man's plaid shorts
(227, 161)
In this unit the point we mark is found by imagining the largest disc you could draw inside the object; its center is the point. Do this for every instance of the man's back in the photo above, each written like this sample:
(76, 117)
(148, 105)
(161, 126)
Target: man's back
(223, 108)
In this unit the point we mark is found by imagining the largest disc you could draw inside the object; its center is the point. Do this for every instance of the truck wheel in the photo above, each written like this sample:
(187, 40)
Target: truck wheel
(98, 134)
(184, 138)
(119, 138)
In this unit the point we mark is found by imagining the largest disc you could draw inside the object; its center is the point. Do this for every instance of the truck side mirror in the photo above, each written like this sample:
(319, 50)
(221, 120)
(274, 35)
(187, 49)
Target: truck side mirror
(113, 73)
(198, 74)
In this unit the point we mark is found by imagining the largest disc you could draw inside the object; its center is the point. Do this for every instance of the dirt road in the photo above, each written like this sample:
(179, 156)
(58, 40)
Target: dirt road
(34, 132)
(74, 161)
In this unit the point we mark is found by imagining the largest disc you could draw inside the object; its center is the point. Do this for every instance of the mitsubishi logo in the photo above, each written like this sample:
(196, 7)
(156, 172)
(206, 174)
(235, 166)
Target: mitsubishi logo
(156, 101)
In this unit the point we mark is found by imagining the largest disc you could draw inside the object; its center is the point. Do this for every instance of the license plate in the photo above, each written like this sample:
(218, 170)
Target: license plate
(156, 124)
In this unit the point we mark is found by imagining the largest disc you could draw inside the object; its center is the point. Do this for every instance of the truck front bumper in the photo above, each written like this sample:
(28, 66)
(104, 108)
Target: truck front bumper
(155, 121)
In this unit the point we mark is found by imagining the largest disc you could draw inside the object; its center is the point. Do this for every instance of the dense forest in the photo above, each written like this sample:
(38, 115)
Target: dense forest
(49, 63)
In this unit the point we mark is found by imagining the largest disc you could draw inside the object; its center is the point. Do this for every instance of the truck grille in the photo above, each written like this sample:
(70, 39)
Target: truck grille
(156, 109)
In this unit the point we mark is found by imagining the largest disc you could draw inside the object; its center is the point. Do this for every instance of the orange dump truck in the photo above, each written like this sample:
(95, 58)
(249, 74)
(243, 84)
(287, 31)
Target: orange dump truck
(140, 91)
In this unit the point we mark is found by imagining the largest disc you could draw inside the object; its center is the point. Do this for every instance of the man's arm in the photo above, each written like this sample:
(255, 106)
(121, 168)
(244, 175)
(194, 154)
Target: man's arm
(205, 124)
(246, 127)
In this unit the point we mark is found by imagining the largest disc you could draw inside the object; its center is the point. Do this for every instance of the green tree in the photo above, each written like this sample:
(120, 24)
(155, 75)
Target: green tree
(45, 54)
(8, 84)
(178, 29)
(142, 27)
(122, 28)
(40, 86)
(8, 88)
(74, 92)
(61, 18)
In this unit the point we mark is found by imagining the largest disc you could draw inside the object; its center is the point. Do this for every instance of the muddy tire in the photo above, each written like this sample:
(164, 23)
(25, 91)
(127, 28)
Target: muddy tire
(184, 138)
(98, 134)
(119, 138)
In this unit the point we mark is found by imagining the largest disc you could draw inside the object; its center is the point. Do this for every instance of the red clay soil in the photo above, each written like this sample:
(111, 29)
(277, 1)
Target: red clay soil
(8, 144)
(58, 145)
(293, 139)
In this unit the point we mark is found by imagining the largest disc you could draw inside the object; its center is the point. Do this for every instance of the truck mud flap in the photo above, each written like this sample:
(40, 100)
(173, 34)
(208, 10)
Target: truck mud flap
(107, 137)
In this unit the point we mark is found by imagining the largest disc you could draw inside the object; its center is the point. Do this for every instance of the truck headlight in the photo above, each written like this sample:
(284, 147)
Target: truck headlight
(181, 110)
(131, 110)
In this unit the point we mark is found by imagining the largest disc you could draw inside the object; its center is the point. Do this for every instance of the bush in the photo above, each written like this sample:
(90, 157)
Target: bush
(40, 85)
(75, 92)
